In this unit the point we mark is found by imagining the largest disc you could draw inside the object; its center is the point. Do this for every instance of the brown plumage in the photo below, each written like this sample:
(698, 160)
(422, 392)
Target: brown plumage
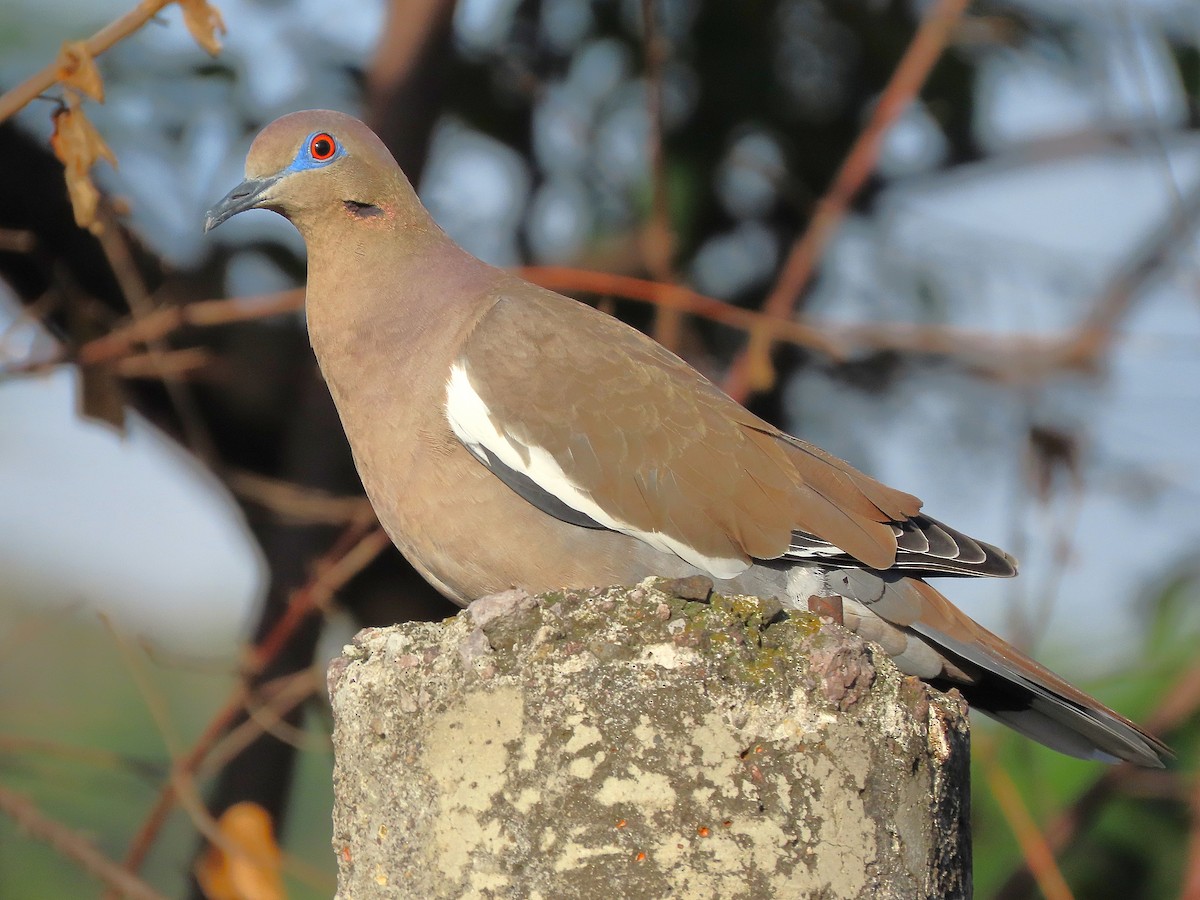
(508, 436)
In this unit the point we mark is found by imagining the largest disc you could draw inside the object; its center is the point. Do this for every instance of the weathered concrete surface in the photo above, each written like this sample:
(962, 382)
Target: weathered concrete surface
(631, 743)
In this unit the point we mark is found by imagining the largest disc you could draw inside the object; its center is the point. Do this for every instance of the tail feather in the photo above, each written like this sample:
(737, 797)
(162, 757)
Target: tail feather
(995, 677)
(1028, 697)
(1086, 730)
(1044, 726)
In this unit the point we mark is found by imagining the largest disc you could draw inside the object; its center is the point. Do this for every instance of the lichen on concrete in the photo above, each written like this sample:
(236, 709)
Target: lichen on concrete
(629, 742)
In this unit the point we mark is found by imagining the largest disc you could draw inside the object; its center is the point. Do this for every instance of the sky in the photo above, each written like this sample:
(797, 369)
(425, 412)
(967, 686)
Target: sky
(90, 520)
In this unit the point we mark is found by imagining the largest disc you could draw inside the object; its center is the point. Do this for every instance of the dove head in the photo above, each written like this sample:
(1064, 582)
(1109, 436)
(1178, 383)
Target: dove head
(319, 168)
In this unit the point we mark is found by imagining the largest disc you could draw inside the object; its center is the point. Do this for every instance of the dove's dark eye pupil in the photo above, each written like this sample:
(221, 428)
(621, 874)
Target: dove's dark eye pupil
(321, 147)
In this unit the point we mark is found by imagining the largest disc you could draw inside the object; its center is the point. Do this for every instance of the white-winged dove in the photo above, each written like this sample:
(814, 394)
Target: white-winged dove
(509, 436)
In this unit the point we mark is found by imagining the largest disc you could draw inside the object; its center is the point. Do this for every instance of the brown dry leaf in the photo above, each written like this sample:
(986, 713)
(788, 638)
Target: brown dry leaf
(77, 69)
(254, 872)
(760, 370)
(100, 395)
(204, 21)
(78, 145)
(1054, 452)
(658, 247)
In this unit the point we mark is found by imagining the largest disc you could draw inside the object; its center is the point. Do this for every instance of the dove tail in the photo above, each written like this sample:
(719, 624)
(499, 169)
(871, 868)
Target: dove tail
(1011, 687)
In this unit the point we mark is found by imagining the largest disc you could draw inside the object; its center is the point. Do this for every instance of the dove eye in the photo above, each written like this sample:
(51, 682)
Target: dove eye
(322, 147)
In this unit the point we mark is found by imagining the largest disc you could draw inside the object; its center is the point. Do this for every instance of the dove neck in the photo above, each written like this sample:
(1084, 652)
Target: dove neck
(373, 299)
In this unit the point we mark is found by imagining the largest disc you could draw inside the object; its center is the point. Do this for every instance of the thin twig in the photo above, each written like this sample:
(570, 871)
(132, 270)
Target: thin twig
(298, 504)
(1016, 358)
(1009, 357)
(315, 596)
(1179, 705)
(44, 750)
(142, 841)
(1024, 616)
(681, 298)
(122, 341)
(753, 365)
(268, 717)
(1099, 331)
(17, 240)
(181, 780)
(658, 240)
(351, 552)
(120, 259)
(206, 313)
(1034, 848)
(166, 365)
(74, 847)
(28, 90)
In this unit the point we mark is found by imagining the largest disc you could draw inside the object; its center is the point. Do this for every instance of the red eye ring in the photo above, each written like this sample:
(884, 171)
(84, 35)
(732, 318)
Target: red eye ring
(322, 147)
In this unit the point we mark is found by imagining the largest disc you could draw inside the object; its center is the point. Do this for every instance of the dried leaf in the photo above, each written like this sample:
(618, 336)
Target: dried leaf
(1053, 452)
(204, 21)
(77, 69)
(252, 872)
(760, 370)
(658, 247)
(78, 145)
(84, 199)
(101, 397)
(100, 394)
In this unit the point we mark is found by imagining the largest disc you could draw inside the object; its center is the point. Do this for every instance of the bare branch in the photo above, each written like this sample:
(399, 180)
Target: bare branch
(40, 82)
(657, 239)
(349, 555)
(1034, 848)
(12, 101)
(74, 847)
(297, 504)
(752, 370)
(1179, 705)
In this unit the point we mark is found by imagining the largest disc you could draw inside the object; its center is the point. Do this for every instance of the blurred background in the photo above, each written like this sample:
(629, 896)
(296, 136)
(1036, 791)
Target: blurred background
(982, 222)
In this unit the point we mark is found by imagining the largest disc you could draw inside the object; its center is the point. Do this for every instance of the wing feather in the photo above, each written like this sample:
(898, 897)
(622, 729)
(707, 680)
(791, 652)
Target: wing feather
(627, 435)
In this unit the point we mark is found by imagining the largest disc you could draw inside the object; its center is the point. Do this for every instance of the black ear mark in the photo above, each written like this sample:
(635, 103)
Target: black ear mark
(362, 210)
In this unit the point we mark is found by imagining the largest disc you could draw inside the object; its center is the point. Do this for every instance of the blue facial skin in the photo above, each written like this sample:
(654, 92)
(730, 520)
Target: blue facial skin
(304, 159)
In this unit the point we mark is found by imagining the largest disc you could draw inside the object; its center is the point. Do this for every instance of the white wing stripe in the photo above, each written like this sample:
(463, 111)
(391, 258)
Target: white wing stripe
(473, 424)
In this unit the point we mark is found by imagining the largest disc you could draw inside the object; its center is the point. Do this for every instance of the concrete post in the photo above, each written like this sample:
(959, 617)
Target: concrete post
(635, 743)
